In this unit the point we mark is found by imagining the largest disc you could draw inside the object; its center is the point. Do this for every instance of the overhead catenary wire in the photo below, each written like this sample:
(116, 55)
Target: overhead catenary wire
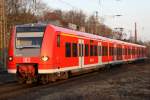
(72, 6)
(68, 4)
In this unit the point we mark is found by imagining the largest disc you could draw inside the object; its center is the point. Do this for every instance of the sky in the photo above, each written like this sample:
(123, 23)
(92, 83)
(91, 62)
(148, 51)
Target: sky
(131, 11)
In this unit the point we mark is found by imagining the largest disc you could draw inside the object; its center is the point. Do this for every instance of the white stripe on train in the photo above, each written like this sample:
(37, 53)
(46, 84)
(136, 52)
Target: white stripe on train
(89, 66)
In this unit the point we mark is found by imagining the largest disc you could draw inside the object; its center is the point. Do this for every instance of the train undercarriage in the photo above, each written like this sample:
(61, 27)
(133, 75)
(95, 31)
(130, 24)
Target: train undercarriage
(29, 74)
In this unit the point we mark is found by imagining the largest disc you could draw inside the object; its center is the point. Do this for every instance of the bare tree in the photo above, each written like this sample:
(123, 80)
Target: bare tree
(75, 17)
(94, 26)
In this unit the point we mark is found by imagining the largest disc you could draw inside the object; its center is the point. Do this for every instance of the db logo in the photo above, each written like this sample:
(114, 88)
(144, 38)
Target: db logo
(26, 60)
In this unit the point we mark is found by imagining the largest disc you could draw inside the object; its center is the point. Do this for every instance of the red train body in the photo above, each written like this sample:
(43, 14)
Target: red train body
(46, 50)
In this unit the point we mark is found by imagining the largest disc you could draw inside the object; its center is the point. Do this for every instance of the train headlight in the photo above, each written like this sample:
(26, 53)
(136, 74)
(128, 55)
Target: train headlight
(45, 58)
(10, 58)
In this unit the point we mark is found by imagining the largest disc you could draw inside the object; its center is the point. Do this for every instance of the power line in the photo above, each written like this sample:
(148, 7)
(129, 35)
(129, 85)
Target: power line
(74, 7)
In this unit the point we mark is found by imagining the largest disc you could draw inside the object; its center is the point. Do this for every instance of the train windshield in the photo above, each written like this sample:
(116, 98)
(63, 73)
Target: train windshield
(29, 37)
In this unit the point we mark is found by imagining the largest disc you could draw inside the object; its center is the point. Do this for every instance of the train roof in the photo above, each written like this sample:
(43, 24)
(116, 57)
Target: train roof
(32, 25)
(78, 33)
(92, 36)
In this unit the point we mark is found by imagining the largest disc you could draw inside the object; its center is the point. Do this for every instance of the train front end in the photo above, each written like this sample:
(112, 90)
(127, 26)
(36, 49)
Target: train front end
(24, 55)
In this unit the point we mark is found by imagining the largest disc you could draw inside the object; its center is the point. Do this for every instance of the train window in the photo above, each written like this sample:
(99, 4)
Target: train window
(58, 40)
(99, 50)
(119, 51)
(95, 50)
(123, 51)
(110, 51)
(30, 29)
(86, 50)
(74, 50)
(81, 53)
(132, 51)
(115, 51)
(68, 49)
(79, 49)
(104, 51)
(138, 52)
(91, 50)
(142, 52)
(126, 51)
(82, 50)
(91, 41)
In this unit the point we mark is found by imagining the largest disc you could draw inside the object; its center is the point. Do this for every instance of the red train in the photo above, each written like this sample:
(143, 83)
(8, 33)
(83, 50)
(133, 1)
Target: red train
(47, 52)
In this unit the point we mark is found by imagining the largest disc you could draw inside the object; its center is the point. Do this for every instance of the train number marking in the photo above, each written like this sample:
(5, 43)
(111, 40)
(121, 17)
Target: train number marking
(26, 60)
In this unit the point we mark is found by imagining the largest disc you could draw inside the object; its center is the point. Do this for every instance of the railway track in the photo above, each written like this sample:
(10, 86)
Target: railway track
(14, 89)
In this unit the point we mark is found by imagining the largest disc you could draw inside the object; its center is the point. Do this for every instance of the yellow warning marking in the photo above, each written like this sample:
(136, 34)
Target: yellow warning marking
(70, 35)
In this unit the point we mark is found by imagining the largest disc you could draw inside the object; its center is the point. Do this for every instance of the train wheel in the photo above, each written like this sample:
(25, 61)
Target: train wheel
(44, 79)
(53, 77)
(64, 75)
(107, 67)
(20, 78)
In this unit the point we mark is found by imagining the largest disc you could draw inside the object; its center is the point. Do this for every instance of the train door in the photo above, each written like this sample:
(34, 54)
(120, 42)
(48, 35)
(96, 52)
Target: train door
(110, 59)
(105, 52)
(123, 52)
(81, 53)
(126, 52)
(115, 52)
(131, 57)
(99, 53)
